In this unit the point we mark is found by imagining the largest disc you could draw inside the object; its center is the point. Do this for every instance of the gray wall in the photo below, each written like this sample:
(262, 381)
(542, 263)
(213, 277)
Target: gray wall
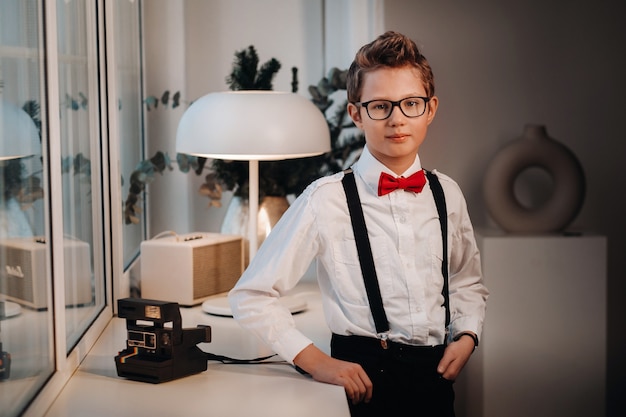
(499, 65)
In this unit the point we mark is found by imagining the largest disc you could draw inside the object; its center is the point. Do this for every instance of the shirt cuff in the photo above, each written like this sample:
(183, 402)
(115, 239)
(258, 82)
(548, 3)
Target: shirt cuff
(290, 344)
(465, 324)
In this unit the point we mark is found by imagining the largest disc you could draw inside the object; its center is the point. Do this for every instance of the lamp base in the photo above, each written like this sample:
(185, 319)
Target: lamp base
(9, 309)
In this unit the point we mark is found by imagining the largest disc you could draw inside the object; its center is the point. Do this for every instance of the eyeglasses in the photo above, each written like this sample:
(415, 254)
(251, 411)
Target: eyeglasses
(382, 109)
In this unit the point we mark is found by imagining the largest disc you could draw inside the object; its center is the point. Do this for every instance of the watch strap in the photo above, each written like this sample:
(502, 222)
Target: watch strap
(472, 335)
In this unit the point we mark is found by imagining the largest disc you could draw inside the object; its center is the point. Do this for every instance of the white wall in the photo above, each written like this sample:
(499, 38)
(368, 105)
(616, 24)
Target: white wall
(348, 25)
(286, 30)
(499, 65)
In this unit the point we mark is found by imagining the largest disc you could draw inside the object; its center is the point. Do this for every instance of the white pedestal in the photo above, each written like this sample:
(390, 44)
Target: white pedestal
(543, 350)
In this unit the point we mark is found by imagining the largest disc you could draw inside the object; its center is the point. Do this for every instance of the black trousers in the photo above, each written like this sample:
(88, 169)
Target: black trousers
(405, 377)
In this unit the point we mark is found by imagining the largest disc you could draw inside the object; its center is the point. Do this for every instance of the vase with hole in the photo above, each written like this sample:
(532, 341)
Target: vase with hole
(534, 150)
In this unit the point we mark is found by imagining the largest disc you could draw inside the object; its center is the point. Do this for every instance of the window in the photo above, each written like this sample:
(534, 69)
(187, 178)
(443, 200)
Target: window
(80, 128)
(129, 109)
(57, 236)
(26, 330)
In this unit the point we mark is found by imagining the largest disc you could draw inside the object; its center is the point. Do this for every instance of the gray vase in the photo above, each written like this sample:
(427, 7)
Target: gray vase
(534, 149)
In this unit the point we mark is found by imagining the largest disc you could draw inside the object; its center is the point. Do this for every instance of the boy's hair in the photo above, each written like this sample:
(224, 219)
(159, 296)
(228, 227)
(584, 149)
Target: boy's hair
(391, 50)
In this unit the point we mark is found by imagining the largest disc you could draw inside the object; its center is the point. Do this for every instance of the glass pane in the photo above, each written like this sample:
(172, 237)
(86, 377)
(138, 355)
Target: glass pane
(26, 330)
(129, 104)
(80, 152)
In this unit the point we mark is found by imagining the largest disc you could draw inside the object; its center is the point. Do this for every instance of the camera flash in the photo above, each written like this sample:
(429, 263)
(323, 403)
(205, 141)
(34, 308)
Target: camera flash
(153, 312)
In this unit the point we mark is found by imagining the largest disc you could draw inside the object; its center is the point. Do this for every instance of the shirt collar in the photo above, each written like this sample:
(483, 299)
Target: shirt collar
(369, 169)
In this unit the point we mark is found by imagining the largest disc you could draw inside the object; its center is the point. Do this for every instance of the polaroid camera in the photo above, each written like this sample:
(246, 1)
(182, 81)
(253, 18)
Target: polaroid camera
(155, 352)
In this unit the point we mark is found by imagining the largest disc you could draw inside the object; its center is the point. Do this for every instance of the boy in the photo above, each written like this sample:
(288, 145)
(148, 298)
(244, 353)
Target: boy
(412, 365)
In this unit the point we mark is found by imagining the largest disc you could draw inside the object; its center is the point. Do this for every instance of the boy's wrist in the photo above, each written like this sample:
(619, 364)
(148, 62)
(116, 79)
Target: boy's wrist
(468, 334)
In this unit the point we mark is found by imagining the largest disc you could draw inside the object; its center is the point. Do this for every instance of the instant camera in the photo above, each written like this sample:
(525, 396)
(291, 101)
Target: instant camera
(157, 348)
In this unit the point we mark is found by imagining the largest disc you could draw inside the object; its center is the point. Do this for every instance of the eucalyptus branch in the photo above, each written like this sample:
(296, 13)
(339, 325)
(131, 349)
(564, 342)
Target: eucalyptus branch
(145, 172)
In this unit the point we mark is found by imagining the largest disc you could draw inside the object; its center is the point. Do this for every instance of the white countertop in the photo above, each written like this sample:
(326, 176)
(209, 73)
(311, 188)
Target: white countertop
(223, 390)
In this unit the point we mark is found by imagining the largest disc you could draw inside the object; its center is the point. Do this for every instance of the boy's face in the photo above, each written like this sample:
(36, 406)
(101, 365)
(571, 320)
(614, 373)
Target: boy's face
(395, 140)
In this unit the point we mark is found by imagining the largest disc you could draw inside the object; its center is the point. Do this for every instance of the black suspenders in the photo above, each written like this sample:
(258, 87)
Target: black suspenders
(364, 251)
(366, 260)
(442, 211)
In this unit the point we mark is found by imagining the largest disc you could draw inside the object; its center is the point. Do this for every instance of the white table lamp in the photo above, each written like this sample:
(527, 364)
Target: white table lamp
(253, 125)
(19, 136)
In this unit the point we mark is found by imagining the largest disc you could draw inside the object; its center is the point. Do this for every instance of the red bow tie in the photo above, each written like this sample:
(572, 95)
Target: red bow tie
(388, 183)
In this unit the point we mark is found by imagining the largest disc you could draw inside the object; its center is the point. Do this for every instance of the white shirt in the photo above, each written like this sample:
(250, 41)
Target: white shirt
(405, 237)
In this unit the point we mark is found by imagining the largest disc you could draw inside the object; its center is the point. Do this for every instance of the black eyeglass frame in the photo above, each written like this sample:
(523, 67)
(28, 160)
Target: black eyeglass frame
(365, 104)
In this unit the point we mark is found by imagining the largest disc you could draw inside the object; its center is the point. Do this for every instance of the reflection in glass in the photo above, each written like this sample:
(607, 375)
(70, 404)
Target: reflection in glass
(26, 331)
(80, 151)
(129, 100)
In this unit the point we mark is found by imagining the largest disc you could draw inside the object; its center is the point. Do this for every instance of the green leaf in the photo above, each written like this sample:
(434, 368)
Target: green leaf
(151, 101)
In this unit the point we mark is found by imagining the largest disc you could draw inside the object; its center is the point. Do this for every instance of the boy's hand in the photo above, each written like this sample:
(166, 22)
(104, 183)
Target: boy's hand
(323, 368)
(455, 357)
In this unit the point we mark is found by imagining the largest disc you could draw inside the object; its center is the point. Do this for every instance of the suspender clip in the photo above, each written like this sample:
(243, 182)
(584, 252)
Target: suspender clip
(383, 340)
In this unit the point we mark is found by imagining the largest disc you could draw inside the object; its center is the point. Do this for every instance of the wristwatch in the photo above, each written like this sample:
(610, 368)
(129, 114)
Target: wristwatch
(472, 335)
